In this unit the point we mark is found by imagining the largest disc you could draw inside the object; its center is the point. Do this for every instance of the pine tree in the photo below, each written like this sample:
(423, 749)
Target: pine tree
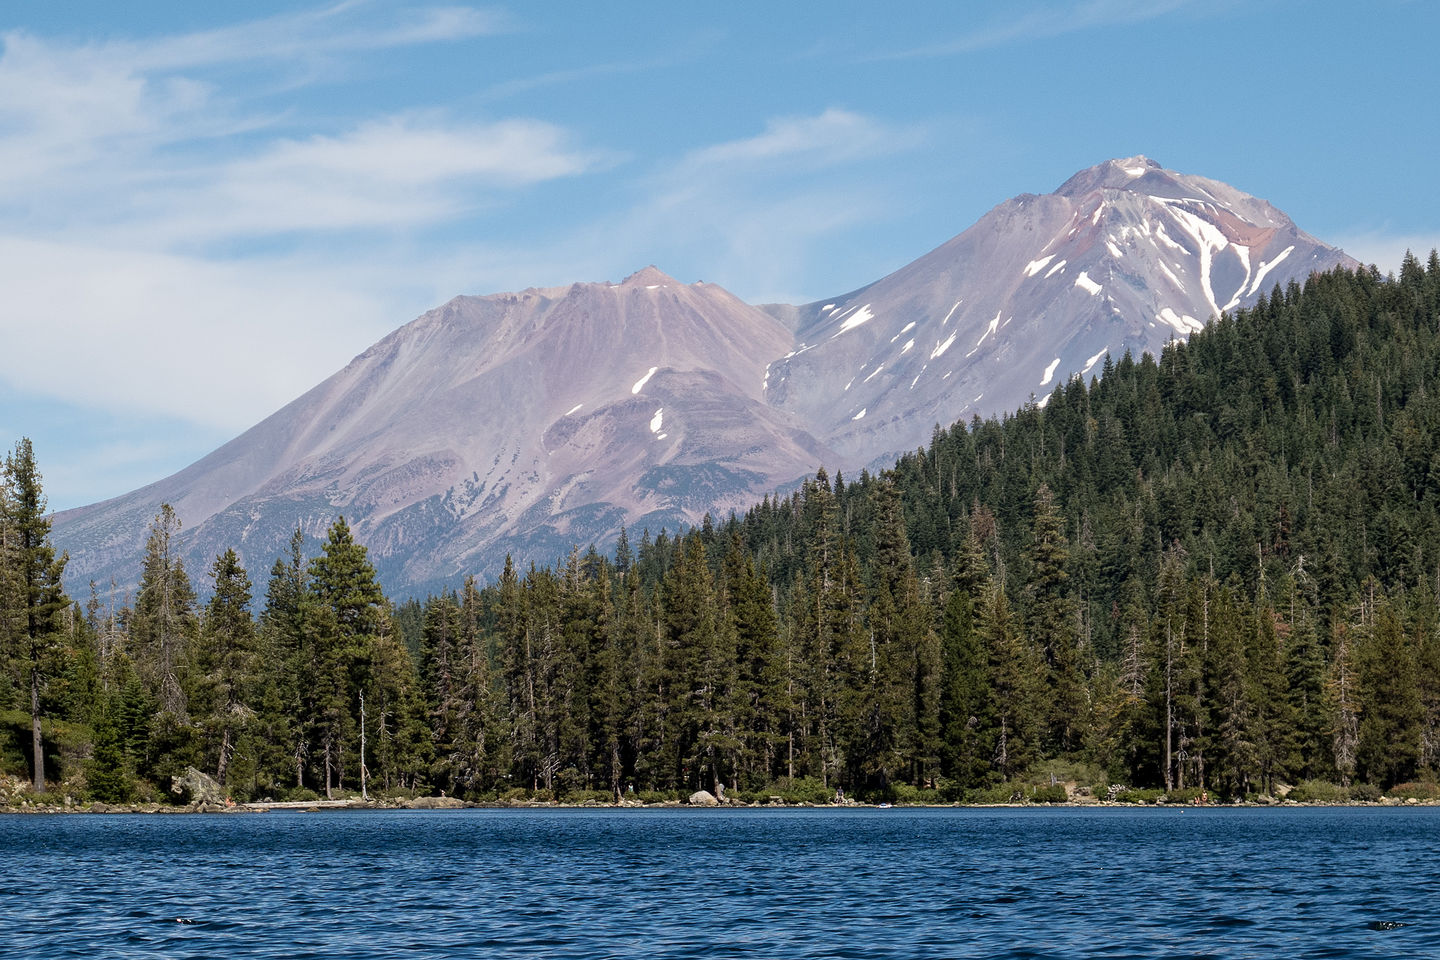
(163, 625)
(34, 594)
(344, 610)
(1051, 618)
(227, 660)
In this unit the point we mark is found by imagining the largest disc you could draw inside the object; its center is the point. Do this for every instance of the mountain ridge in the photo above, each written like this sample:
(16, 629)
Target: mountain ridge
(528, 422)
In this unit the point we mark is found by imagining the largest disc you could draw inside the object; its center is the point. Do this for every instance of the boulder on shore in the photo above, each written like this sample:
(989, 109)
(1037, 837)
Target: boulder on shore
(196, 787)
(703, 798)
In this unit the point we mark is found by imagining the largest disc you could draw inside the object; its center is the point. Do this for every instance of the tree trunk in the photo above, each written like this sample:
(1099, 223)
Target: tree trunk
(224, 763)
(36, 739)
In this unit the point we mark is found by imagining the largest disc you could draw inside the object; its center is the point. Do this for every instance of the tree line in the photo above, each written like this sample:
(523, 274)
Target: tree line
(1217, 569)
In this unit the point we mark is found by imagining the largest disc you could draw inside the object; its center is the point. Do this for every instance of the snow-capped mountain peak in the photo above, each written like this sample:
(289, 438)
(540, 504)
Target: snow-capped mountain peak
(1125, 255)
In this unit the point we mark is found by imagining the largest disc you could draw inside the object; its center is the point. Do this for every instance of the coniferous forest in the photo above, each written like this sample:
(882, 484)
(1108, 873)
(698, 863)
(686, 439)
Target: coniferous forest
(1217, 570)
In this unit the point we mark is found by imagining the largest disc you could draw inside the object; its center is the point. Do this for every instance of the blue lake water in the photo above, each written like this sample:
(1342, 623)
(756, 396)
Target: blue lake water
(801, 883)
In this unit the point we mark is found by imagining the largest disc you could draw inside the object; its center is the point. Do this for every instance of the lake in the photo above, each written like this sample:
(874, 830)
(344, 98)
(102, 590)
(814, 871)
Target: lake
(783, 883)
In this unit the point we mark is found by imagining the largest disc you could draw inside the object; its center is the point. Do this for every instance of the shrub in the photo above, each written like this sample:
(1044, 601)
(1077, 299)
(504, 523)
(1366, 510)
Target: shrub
(1052, 793)
(1318, 791)
(1364, 793)
(909, 793)
(799, 790)
(659, 796)
(1416, 791)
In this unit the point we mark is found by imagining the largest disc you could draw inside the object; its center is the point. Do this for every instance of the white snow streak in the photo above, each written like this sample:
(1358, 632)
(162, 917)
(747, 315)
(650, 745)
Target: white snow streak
(1165, 239)
(860, 414)
(908, 327)
(1040, 404)
(906, 349)
(1183, 323)
(572, 410)
(941, 348)
(1095, 359)
(872, 373)
(1085, 283)
(1173, 279)
(1243, 252)
(1267, 267)
(1050, 371)
(1059, 266)
(1114, 250)
(1035, 266)
(951, 313)
(640, 384)
(994, 325)
(859, 317)
(657, 420)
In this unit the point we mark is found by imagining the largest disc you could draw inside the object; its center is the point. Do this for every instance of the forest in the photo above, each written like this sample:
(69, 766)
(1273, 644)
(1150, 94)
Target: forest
(1217, 570)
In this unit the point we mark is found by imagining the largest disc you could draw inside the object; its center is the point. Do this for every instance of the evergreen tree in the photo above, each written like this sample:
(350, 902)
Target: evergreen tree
(344, 610)
(227, 661)
(32, 593)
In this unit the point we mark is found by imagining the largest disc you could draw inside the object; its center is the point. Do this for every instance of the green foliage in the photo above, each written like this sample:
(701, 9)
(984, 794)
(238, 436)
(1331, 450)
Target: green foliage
(107, 775)
(1365, 793)
(797, 790)
(1049, 794)
(1318, 791)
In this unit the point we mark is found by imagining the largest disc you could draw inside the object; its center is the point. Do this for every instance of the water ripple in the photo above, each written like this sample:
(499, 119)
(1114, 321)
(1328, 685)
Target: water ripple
(801, 884)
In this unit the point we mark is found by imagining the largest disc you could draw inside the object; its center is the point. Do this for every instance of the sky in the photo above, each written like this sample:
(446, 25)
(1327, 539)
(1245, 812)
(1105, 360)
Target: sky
(207, 209)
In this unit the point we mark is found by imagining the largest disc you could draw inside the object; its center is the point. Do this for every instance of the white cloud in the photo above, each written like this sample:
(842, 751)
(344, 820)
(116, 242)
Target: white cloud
(217, 344)
(833, 137)
(145, 206)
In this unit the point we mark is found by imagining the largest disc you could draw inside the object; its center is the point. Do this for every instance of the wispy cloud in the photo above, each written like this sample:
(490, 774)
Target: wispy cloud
(830, 138)
(1029, 22)
(751, 208)
(342, 28)
(161, 218)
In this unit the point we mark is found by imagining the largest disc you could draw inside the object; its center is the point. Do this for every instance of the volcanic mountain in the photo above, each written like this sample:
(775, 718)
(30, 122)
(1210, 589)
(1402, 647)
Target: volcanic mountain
(527, 423)
(1124, 256)
(519, 423)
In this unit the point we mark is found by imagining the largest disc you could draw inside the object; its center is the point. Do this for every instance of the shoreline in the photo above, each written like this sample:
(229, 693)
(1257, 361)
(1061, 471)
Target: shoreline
(451, 803)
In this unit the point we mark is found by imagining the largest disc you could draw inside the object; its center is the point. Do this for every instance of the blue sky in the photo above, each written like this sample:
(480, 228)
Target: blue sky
(206, 209)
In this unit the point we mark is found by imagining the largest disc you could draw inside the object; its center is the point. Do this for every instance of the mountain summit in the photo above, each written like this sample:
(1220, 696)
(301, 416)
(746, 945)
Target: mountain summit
(1123, 256)
(529, 422)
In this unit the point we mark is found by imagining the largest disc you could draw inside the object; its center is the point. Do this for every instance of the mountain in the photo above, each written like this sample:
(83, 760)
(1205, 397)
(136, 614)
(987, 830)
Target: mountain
(531, 422)
(1123, 256)
(516, 422)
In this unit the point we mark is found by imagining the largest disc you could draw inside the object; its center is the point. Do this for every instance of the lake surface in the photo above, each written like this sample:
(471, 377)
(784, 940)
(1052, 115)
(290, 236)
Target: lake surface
(1066, 882)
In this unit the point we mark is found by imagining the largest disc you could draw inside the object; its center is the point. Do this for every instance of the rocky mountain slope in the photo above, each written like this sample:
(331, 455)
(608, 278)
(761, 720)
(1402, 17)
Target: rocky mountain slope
(1124, 256)
(517, 422)
(527, 423)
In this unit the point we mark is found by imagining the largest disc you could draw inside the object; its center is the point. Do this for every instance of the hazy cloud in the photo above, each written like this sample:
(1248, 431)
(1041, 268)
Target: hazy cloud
(1028, 22)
